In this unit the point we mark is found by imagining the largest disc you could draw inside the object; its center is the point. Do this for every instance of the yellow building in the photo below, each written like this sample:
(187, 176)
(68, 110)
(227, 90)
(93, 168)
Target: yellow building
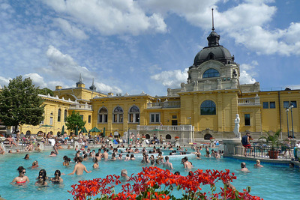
(203, 107)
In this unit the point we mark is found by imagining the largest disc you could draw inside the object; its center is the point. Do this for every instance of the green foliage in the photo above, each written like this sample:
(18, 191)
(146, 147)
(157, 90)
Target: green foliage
(20, 103)
(45, 91)
(74, 120)
(272, 138)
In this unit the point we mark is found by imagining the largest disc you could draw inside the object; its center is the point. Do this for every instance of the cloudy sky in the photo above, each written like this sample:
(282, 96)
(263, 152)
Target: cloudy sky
(131, 46)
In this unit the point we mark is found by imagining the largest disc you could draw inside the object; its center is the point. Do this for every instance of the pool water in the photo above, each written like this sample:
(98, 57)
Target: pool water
(270, 182)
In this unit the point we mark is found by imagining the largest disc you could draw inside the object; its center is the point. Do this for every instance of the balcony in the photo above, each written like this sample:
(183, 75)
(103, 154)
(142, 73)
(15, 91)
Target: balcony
(166, 104)
(165, 128)
(81, 107)
(255, 101)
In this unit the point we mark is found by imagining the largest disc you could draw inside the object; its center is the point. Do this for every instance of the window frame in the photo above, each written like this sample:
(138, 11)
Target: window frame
(271, 103)
(59, 115)
(103, 117)
(134, 116)
(210, 73)
(211, 112)
(246, 118)
(265, 105)
(118, 115)
(155, 117)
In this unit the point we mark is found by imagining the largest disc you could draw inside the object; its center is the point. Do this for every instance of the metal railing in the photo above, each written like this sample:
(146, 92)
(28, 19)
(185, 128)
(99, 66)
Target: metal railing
(80, 107)
(284, 152)
(165, 128)
(166, 104)
(249, 101)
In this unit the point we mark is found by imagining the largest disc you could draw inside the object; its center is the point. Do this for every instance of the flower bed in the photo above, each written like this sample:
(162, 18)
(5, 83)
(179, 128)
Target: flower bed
(156, 183)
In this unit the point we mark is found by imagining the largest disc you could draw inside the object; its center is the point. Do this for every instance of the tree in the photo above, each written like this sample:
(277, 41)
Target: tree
(46, 91)
(74, 120)
(20, 103)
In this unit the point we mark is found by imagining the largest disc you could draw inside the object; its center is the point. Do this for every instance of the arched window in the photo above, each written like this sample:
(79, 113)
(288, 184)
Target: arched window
(134, 114)
(102, 115)
(147, 136)
(211, 73)
(59, 115)
(207, 136)
(66, 115)
(208, 107)
(118, 115)
(168, 137)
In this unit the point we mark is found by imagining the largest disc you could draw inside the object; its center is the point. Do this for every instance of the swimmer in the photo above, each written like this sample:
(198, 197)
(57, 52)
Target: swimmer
(52, 154)
(177, 173)
(229, 185)
(79, 168)
(132, 157)
(41, 180)
(167, 164)
(35, 164)
(37, 148)
(95, 165)
(198, 156)
(105, 155)
(26, 157)
(66, 161)
(244, 168)
(258, 164)
(120, 156)
(186, 163)
(113, 156)
(41, 173)
(21, 179)
(124, 175)
(127, 157)
(57, 179)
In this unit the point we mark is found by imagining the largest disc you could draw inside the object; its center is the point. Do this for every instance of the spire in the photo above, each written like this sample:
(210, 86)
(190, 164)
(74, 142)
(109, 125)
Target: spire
(212, 17)
(93, 87)
(80, 82)
(213, 38)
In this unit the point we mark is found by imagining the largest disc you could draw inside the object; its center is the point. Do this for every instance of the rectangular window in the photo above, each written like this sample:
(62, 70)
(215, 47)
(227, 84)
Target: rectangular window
(105, 118)
(120, 117)
(272, 104)
(101, 118)
(294, 103)
(174, 116)
(130, 117)
(286, 104)
(137, 118)
(51, 120)
(90, 119)
(247, 119)
(265, 105)
(115, 118)
(154, 117)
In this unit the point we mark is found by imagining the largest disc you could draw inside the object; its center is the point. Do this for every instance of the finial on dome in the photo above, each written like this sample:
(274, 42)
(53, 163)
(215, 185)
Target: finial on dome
(212, 17)
(93, 87)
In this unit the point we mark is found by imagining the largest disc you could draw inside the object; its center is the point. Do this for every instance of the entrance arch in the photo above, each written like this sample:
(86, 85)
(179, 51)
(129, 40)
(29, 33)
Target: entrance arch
(207, 136)
(168, 137)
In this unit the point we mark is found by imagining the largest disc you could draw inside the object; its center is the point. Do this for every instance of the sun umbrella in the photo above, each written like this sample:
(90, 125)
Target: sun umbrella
(84, 130)
(63, 130)
(76, 131)
(103, 134)
(46, 126)
(95, 130)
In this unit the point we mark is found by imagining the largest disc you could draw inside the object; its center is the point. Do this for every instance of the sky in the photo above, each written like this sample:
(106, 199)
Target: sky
(135, 46)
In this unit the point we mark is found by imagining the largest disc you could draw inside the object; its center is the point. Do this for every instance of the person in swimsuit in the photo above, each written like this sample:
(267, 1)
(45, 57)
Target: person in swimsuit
(57, 179)
(21, 179)
(26, 157)
(95, 165)
(35, 164)
(41, 179)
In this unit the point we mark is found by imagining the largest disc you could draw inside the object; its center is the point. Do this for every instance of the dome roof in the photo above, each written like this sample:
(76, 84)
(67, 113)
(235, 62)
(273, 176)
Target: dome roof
(214, 51)
(218, 53)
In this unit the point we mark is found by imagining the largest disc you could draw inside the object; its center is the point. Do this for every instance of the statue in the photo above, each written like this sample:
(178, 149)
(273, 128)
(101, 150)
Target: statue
(237, 127)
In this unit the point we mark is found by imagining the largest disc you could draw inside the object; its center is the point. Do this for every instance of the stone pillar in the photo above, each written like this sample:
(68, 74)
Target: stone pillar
(230, 147)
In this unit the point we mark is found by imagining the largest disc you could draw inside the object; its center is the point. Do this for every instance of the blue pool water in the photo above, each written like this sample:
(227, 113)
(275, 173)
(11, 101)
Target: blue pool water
(270, 182)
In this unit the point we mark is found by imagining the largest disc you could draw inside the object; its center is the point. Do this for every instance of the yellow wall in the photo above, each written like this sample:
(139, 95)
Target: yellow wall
(80, 93)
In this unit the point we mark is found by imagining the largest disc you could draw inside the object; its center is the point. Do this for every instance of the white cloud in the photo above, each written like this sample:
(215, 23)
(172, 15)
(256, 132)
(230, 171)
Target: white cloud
(37, 79)
(69, 29)
(106, 88)
(171, 78)
(247, 72)
(4, 81)
(109, 17)
(247, 23)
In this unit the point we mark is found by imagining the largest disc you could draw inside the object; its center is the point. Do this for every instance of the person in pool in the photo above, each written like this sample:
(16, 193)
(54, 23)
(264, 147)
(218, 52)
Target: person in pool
(35, 164)
(258, 164)
(41, 179)
(244, 168)
(57, 179)
(42, 172)
(66, 161)
(79, 167)
(26, 157)
(21, 179)
(95, 165)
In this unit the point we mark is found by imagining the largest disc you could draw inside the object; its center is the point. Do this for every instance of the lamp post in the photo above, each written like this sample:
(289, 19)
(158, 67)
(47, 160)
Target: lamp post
(287, 118)
(291, 107)
(128, 136)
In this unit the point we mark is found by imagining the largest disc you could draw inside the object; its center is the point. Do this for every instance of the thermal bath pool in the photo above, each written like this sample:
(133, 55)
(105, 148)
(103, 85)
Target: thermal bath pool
(269, 182)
